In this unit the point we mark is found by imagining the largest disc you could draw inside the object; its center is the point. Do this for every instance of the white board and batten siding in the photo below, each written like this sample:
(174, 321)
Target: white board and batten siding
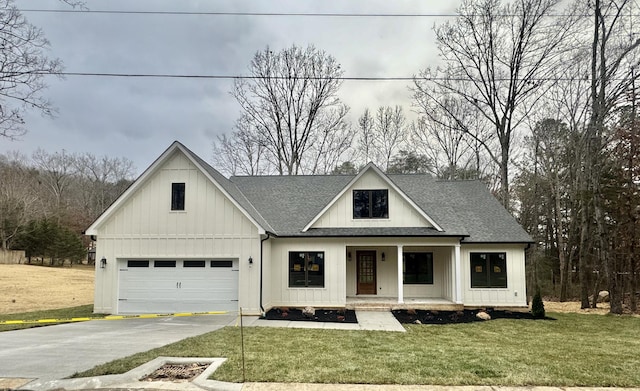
(401, 213)
(514, 295)
(144, 227)
(331, 295)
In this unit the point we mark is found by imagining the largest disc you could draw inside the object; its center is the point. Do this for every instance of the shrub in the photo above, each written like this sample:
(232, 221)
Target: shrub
(537, 306)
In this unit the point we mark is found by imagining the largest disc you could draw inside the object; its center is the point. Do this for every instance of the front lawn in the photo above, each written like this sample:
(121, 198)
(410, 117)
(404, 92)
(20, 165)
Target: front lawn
(574, 350)
(83, 311)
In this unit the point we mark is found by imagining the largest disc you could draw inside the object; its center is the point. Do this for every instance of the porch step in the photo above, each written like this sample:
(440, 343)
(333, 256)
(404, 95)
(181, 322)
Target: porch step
(373, 307)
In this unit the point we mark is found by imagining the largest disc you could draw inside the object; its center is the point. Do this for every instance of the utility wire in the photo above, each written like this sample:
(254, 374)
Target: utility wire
(296, 14)
(246, 77)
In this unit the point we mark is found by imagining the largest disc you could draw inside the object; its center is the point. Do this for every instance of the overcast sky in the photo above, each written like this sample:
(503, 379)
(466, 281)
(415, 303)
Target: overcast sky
(139, 117)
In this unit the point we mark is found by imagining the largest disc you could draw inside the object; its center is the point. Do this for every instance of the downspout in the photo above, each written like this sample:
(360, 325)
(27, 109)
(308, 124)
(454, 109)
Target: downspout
(261, 266)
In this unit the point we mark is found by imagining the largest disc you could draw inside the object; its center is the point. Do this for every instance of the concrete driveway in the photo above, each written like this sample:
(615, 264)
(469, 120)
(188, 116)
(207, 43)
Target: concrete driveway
(56, 352)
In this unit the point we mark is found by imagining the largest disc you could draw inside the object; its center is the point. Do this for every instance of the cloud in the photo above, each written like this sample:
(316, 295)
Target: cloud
(138, 118)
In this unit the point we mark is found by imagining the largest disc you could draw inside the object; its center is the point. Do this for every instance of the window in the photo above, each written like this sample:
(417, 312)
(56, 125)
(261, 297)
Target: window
(177, 196)
(417, 268)
(371, 204)
(137, 263)
(306, 269)
(193, 264)
(164, 264)
(223, 263)
(488, 270)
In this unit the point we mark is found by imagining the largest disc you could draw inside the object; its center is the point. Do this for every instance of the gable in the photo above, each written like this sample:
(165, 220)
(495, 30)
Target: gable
(206, 209)
(401, 212)
(177, 164)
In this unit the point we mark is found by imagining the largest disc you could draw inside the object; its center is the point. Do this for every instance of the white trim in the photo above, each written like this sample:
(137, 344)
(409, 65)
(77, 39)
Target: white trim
(400, 275)
(384, 177)
(93, 228)
(458, 275)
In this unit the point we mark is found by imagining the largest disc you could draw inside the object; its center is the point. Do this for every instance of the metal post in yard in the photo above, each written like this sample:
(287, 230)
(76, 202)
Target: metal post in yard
(244, 377)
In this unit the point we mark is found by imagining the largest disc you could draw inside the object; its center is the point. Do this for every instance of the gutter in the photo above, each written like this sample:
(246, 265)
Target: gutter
(261, 266)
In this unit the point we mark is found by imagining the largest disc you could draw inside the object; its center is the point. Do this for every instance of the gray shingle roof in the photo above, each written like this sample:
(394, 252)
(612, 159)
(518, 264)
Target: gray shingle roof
(284, 205)
(462, 208)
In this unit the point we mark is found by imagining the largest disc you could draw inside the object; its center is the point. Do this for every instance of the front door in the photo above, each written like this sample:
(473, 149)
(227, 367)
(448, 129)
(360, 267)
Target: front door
(366, 272)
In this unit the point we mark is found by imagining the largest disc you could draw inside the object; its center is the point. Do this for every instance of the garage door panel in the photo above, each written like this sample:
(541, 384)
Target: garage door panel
(178, 289)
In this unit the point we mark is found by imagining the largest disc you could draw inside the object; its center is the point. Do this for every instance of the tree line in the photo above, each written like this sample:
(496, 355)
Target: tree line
(48, 199)
(535, 97)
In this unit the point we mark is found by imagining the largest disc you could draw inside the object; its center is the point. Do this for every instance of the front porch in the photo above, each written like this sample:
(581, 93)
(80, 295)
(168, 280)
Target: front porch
(368, 303)
(416, 274)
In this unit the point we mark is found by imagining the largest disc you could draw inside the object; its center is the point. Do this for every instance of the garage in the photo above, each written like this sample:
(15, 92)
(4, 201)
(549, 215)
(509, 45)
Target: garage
(147, 286)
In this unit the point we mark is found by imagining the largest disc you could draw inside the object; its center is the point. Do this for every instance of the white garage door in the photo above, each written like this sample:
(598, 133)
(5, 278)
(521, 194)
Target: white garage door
(185, 285)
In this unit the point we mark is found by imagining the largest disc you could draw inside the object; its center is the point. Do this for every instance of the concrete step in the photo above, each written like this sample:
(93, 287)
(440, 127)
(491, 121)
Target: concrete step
(372, 308)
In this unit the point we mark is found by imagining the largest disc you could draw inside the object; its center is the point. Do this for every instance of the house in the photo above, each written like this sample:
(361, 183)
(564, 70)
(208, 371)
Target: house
(183, 238)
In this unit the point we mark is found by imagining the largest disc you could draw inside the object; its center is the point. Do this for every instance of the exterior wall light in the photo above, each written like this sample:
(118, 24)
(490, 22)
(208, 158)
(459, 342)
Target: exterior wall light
(349, 256)
(103, 263)
(383, 257)
(250, 260)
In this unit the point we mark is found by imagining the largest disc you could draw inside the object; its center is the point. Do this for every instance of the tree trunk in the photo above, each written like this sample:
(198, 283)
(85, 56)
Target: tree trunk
(504, 177)
(585, 273)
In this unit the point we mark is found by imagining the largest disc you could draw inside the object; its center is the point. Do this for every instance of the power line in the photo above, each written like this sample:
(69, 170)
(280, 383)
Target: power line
(248, 77)
(277, 14)
(225, 13)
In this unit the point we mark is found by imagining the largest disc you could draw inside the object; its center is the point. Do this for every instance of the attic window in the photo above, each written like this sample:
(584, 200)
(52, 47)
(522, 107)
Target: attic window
(371, 204)
(177, 196)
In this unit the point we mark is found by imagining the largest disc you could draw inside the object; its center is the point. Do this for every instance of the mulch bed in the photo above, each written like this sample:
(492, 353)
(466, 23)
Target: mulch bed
(450, 317)
(295, 314)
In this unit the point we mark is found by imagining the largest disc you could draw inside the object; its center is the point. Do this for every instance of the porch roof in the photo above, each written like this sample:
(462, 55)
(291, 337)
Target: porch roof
(378, 232)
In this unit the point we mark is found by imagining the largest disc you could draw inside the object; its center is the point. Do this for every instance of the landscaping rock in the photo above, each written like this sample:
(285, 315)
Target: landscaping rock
(309, 312)
(603, 297)
(483, 316)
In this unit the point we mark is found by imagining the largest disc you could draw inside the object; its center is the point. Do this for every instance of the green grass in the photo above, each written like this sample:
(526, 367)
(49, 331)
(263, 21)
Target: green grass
(574, 350)
(82, 311)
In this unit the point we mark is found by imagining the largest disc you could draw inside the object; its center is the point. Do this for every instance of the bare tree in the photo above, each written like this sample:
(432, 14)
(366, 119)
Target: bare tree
(19, 198)
(497, 57)
(615, 54)
(102, 179)
(56, 171)
(450, 138)
(366, 138)
(23, 68)
(390, 133)
(292, 106)
(242, 152)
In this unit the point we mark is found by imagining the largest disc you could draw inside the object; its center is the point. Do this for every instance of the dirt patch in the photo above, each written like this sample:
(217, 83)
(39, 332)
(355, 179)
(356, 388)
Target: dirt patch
(574, 306)
(295, 314)
(177, 372)
(25, 288)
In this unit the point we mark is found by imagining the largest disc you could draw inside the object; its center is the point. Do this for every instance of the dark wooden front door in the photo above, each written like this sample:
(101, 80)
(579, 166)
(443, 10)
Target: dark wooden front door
(366, 272)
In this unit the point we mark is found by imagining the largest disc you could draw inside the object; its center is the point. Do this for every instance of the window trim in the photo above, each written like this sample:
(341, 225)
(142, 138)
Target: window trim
(429, 262)
(370, 206)
(290, 267)
(178, 196)
(488, 265)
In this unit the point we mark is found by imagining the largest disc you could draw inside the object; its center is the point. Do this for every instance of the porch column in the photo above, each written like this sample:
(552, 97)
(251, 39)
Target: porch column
(458, 275)
(400, 280)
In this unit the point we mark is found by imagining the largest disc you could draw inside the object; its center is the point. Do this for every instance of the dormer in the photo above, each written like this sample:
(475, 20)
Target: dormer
(371, 199)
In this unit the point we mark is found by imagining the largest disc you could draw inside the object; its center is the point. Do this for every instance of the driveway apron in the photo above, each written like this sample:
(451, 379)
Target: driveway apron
(56, 352)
